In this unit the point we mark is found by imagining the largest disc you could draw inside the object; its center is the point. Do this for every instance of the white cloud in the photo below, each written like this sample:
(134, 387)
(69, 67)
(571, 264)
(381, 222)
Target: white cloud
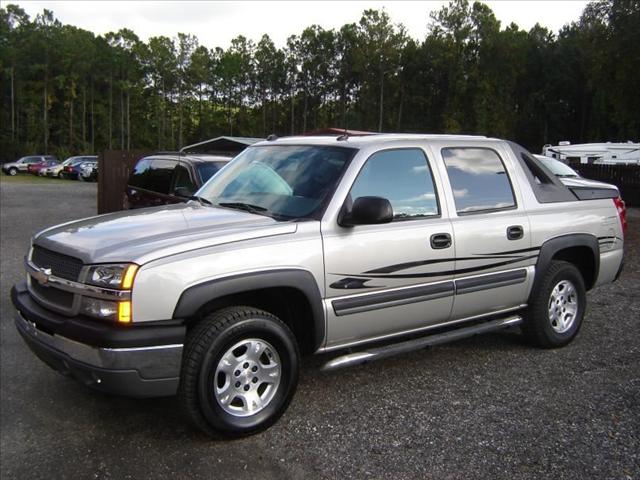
(463, 192)
(216, 23)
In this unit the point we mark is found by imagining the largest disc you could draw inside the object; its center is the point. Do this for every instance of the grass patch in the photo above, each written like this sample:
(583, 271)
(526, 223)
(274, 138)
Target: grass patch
(28, 178)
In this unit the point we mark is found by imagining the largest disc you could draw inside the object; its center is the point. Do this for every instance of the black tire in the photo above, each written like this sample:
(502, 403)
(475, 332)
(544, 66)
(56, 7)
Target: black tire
(12, 172)
(539, 327)
(206, 343)
(60, 175)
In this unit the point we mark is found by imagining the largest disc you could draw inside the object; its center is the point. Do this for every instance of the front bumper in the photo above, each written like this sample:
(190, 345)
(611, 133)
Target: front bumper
(136, 362)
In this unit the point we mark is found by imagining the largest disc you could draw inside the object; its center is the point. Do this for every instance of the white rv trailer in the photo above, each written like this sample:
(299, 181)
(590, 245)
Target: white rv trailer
(598, 153)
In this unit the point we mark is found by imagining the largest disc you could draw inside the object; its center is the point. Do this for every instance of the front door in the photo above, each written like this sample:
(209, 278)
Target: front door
(395, 277)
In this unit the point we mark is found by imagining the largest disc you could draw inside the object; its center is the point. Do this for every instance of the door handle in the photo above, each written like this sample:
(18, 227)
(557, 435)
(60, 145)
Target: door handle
(440, 240)
(515, 232)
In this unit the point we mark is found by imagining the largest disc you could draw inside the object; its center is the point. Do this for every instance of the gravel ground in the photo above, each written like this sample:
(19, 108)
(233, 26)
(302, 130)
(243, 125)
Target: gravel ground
(486, 407)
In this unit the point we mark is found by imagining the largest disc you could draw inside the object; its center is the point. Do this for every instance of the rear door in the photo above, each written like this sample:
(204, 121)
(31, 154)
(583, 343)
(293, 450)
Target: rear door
(494, 257)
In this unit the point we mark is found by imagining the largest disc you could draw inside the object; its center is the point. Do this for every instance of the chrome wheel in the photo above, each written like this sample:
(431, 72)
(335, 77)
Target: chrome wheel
(247, 377)
(563, 306)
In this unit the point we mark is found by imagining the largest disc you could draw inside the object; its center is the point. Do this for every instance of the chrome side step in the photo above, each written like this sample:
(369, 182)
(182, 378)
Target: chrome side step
(419, 343)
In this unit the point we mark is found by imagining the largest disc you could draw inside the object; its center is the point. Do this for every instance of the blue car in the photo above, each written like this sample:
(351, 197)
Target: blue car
(72, 170)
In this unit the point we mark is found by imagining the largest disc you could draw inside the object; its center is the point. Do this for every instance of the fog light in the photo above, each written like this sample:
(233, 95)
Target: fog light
(99, 308)
(124, 312)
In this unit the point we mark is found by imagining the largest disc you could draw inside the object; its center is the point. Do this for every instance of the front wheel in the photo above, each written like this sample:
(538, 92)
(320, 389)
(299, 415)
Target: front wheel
(239, 372)
(13, 171)
(557, 306)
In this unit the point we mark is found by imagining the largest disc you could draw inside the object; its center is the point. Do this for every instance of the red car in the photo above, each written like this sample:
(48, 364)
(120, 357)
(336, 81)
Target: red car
(34, 168)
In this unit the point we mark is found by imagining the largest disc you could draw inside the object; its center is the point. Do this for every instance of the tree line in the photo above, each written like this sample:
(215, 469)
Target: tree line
(65, 90)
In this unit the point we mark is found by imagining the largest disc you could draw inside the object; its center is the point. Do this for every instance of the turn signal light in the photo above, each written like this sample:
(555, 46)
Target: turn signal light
(127, 281)
(124, 312)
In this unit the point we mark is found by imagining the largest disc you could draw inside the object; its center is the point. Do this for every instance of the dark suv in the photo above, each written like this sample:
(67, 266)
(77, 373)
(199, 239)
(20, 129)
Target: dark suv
(169, 178)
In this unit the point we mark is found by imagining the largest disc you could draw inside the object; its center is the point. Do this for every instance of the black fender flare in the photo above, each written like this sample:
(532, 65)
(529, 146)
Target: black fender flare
(552, 246)
(196, 296)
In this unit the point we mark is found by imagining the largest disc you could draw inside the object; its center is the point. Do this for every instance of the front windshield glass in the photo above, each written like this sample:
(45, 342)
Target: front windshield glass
(285, 181)
(558, 168)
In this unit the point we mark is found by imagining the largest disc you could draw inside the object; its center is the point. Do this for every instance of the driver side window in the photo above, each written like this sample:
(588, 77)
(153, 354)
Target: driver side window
(404, 178)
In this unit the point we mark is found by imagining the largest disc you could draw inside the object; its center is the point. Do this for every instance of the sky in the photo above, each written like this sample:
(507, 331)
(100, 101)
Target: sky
(215, 23)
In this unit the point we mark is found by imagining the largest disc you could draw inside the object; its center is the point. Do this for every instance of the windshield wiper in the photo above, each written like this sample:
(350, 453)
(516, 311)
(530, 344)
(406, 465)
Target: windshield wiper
(200, 200)
(247, 207)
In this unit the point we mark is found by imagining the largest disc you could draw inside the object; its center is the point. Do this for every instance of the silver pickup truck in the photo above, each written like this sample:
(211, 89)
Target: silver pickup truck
(365, 247)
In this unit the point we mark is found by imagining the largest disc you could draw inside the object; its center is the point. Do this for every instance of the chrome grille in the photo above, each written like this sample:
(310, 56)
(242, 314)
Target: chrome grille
(53, 295)
(61, 265)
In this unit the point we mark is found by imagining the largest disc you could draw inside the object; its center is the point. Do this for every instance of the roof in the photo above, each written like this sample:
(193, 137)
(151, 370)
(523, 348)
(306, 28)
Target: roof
(222, 144)
(337, 131)
(362, 141)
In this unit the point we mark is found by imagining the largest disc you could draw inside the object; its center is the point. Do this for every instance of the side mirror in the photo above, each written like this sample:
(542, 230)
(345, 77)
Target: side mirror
(182, 192)
(367, 211)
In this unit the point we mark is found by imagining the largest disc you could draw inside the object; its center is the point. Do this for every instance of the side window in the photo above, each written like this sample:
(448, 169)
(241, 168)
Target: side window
(478, 179)
(139, 174)
(182, 178)
(33, 160)
(160, 174)
(401, 176)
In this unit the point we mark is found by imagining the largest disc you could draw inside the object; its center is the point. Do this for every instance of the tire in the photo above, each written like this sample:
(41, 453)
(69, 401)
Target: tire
(556, 307)
(59, 175)
(12, 172)
(215, 401)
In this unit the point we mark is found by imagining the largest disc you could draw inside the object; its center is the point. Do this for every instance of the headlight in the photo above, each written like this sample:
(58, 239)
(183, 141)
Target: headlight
(112, 276)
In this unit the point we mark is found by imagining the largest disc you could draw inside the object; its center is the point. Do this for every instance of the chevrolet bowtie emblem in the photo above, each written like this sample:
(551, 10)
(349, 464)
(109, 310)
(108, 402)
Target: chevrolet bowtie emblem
(42, 275)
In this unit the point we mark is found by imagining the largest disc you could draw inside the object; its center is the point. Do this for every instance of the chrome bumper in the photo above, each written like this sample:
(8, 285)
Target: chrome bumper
(150, 371)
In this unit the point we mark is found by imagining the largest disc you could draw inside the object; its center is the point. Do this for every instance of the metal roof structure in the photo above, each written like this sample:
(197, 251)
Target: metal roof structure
(221, 145)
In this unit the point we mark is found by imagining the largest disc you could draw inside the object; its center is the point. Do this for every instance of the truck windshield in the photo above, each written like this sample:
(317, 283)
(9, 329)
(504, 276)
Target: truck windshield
(281, 181)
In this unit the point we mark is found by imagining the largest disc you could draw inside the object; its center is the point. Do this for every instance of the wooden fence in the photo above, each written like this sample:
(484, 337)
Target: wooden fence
(625, 177)
(114, 167)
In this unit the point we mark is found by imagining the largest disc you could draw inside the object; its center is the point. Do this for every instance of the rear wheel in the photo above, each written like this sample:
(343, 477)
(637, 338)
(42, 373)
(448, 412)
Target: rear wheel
(239, 372)
(557, 306)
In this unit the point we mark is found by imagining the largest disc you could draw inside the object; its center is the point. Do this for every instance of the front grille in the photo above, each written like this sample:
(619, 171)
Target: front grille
(53, 295)
(62, 266)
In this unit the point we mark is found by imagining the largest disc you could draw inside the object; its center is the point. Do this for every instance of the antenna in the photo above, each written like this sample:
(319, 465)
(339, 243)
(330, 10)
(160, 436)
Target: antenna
(272, 137)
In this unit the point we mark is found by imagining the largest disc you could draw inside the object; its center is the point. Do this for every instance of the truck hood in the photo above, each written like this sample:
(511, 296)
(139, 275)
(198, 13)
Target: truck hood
(150, 233)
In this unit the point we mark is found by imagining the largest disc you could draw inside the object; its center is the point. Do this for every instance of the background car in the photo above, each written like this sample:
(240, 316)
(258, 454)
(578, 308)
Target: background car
(36, 168)
(88, 171)
(71, 171)
(13, 168)
(162, 179)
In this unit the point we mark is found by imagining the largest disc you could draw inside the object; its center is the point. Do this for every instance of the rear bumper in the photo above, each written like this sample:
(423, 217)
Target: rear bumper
(149, 369)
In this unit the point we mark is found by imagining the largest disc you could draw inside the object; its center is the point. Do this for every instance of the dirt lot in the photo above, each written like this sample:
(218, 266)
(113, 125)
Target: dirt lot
(487, 407)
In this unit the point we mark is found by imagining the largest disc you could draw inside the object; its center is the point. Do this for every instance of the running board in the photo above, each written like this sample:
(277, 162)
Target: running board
(419, 343)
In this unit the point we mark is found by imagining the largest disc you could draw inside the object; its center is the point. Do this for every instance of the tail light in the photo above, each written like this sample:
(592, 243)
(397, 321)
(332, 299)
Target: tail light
(622, 213)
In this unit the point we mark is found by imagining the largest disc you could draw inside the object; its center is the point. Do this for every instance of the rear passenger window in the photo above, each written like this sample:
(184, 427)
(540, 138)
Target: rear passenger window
(182, 179)
(478, 179)
(160, 173)
(401, 176)
(139, 173)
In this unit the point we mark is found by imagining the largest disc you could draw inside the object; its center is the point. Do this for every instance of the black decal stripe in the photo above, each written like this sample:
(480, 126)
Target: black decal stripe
(353, 284)
(523, 250)
(441, 273)
(394, 298)
(420, 263)
(487, 282)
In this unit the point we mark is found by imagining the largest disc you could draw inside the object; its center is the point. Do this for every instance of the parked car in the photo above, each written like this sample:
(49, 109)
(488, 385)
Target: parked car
(36, 168)
(71, 171)
(89, 172)
(22, 165)
(169, 178)
(368, 246)
(56, 170)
